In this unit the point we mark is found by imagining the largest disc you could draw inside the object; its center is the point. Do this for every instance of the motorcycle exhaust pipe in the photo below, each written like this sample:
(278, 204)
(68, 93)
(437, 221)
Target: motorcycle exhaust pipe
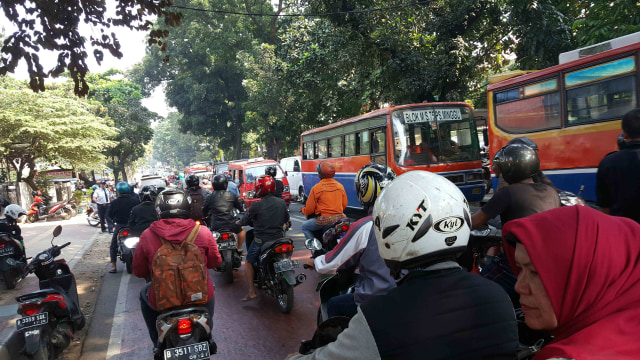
(300, 278)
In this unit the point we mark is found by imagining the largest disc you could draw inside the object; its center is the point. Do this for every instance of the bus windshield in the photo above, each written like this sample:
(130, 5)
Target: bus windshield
(434, 134)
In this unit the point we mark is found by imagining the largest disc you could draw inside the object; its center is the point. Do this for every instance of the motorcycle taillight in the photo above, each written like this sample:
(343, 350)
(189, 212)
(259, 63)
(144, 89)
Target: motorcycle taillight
(30, 308)
(284, 248)
(344, 227)
(225, 236)
(184, 326)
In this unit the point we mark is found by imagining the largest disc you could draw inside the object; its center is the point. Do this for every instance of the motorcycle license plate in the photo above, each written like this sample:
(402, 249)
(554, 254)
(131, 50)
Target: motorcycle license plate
(227, 245)
(285, 265)
(7, 250)
(33, 320)
(188, 352)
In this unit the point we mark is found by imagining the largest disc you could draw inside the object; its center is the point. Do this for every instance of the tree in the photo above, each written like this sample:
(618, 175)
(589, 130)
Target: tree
(172, 146)
(133, 121)
(49, 127)
(53, 26)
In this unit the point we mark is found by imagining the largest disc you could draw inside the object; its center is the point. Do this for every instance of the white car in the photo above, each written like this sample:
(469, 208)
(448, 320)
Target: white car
(155, 180)
(291, 166)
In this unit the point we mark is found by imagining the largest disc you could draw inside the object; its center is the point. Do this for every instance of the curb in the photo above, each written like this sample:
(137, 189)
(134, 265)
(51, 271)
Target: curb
(10, 341)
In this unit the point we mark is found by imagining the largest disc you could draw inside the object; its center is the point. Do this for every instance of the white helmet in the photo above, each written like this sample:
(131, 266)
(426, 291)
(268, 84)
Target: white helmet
(14, 211)
(420, 218)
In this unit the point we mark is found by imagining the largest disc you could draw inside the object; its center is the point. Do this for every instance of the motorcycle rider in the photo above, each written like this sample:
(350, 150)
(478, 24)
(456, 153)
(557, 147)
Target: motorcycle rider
(421, 221)
(268, 217)
(119, 212)
(540, 177)
(359, 249)
(272, 171)
(218, 207)
(143, 214)
(174, 225)
(327, 200)
(9, 224)
(518, 165)
(198, 196)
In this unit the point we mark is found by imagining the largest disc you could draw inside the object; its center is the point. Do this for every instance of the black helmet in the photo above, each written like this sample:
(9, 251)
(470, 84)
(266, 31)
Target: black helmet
(148, 193)
(517, 162)
(271, 171)
(220, 182)
(173, 203)
(192, 181)
(370, 180)
(34, 193)
(524, 141)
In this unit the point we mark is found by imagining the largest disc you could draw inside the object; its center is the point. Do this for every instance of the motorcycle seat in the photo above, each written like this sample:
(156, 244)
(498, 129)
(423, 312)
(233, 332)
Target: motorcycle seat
(182, 311)
(273, 243)
(37, 295)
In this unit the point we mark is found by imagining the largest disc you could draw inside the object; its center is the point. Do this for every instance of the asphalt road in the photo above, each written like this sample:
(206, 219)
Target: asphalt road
(254, 330)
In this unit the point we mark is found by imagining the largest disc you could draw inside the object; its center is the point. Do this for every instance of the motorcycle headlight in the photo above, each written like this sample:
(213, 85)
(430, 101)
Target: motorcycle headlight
(131, 242)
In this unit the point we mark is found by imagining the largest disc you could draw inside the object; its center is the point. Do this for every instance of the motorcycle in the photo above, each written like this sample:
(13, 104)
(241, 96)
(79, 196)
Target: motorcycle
(231, 260)
(51, 315)
(12, 260)
(93, 218)
(72, 206)
(58, 210)
(340, 283)
(127, 243)
(274, 271)
(184, 334)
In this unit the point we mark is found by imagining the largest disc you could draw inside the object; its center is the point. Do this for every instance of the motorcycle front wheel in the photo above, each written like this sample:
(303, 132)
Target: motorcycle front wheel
(285, 298)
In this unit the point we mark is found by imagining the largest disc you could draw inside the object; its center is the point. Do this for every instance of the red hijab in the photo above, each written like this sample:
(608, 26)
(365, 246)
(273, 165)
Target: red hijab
(589, 264)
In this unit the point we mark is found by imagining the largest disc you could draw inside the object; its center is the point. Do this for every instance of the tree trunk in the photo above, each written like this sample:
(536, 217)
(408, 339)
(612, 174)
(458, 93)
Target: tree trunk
(121, 165)
(273, 148)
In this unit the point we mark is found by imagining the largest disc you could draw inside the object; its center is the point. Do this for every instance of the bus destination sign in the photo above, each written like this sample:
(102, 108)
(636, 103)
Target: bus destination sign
(430, 115)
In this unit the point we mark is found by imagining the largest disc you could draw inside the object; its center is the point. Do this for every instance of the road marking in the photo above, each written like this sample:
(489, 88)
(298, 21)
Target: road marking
(295, 218)
(117, 328)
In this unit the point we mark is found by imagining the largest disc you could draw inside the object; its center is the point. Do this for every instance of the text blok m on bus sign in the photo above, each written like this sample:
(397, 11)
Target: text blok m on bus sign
(430, 115)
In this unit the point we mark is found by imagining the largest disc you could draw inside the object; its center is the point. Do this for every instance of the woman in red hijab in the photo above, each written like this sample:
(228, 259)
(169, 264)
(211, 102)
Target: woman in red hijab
(579, 278)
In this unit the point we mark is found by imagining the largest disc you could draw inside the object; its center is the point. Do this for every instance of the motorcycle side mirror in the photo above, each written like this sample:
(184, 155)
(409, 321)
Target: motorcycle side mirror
(313, 244)
(57, 231)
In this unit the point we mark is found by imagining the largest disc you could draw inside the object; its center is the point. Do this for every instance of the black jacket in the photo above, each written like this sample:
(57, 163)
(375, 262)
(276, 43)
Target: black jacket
(12, 229)
(219, 207)
(142, 216)
(445, 314)
(267, 217)
(617, 185)
(120, 208)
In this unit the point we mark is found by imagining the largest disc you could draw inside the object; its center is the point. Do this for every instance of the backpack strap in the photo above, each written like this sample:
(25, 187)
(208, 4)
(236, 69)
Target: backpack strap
(189, 240)
(192, 235)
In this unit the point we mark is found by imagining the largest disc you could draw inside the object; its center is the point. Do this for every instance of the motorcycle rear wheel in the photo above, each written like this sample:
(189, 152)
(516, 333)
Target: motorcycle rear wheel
(128, 261)
(285, 298)
(228, 271)
(9, 280)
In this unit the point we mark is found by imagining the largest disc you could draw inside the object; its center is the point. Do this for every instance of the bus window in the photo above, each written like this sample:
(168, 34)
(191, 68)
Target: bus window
(530, 114)
(321, 149)
(427, 136)
(335, 147)
(350, 145)
(307, 151)
(606, 100)
(362, 145)
(378, 147)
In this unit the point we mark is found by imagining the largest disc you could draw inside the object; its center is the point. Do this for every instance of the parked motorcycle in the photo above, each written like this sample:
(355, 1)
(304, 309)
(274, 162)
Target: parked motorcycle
(58, 210)
(51, 315)
(93, 218)
(231, 260)
(127, 243)
(274, 271)
(12, 260)
(184, 334)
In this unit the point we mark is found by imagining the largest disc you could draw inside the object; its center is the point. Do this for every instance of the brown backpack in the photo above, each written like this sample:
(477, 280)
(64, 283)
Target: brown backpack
(179, 276)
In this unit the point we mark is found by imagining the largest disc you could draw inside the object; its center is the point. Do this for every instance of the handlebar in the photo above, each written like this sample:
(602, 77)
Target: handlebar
(65, 245)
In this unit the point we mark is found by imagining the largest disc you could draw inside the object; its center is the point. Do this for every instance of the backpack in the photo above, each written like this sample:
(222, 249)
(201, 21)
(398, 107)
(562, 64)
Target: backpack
(197, 202)
(179, 276)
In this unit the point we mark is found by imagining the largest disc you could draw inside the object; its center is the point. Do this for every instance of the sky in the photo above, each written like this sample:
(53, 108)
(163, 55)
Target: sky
(133, 45)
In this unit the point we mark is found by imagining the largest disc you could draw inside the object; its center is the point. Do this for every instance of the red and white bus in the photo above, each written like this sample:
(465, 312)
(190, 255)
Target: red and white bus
(436, 137)
(572, 110)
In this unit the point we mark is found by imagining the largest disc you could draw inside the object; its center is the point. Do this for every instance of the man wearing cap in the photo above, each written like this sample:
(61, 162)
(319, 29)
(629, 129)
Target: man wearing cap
(103, 197)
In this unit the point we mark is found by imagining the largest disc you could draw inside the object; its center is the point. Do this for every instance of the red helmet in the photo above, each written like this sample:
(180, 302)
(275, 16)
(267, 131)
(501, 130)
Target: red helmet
(264, 184)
